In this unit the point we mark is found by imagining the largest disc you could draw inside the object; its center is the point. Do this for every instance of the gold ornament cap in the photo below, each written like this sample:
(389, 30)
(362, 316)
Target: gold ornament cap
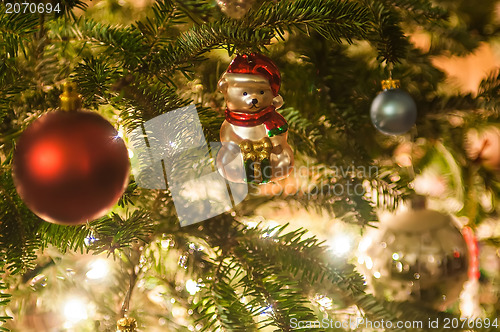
(70, 99)
(390, 84)
(126, 324)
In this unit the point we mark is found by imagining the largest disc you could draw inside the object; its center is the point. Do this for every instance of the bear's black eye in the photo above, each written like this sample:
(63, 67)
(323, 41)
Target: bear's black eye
(262, 92)
(244, 93)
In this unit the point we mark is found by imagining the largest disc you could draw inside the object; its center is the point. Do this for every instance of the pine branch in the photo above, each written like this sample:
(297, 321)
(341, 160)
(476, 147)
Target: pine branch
(446, 104)
(144, 100)
(267, 287)
(489, 92)
(303, 132)
(419, 9)
(128, 196)
(8, 73)
(197, 10)
(221, 298)
(138, 46)
(272, 290)
(16, 31)
(193, 260)
(67, 7)
(109, 233)
(388, 36)
(334, 20)
(155, 29)
(18, 227)
(337, 198)
(127, 46)
(308, 260)
(94, 79)
(386, 193)
(340, 190)
(447, 38)
(4, 297)
(47, 65)
(7, 97)
(200, 39)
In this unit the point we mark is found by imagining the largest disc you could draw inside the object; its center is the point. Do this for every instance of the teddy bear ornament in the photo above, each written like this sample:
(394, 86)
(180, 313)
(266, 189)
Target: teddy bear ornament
(254, 136)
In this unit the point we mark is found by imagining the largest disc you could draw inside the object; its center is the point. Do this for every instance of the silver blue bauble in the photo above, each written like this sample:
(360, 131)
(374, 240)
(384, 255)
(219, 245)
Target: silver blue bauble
(393, 112)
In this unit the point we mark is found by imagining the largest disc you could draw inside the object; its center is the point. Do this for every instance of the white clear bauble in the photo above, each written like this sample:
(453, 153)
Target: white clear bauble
(419, 256)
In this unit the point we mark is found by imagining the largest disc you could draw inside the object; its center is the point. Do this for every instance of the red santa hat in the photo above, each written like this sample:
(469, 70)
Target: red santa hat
(257, 64)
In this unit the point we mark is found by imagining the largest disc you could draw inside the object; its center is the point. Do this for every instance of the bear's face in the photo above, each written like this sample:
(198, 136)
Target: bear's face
(248, 97)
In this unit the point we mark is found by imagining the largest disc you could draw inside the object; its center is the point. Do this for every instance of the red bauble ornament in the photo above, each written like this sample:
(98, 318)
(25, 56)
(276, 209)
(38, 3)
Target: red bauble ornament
(70, 167)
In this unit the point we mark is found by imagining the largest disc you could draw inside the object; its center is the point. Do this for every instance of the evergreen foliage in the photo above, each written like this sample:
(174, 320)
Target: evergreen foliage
(139, 71)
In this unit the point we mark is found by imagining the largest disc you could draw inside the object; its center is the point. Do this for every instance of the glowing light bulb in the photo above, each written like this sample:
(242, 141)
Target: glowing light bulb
(325, 302)
(99, 269)
(369, 263)
(192, 287)
(365, 244)
(165, 244)
(341, 244)
(75, 310)
(90, 239)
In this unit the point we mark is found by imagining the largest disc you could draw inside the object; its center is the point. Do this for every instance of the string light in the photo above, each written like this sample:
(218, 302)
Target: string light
(341, 244)
(75, 310)
(165, 243)
(192, 287)
(90, 239)
(325, 302)
(99, 269)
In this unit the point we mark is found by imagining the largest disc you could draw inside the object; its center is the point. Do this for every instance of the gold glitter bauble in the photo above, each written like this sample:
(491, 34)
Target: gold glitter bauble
(127, 324)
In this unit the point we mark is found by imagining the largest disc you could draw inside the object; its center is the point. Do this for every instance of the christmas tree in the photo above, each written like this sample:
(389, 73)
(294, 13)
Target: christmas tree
(164, 252)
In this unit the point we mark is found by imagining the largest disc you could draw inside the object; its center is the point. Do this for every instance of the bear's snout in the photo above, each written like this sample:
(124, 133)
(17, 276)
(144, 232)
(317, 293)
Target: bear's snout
(253, 101)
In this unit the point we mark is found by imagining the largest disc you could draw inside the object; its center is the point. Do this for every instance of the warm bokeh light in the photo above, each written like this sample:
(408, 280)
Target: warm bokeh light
(468, 71)
(341, 244)
(192, 287)
(99, 269)
(75, 310)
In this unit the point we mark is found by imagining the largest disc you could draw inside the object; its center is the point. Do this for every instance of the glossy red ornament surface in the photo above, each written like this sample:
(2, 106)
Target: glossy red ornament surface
(257, 64)
(70, 167)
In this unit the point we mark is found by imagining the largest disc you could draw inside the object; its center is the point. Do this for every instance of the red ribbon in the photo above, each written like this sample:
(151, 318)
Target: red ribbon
(471, 241)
